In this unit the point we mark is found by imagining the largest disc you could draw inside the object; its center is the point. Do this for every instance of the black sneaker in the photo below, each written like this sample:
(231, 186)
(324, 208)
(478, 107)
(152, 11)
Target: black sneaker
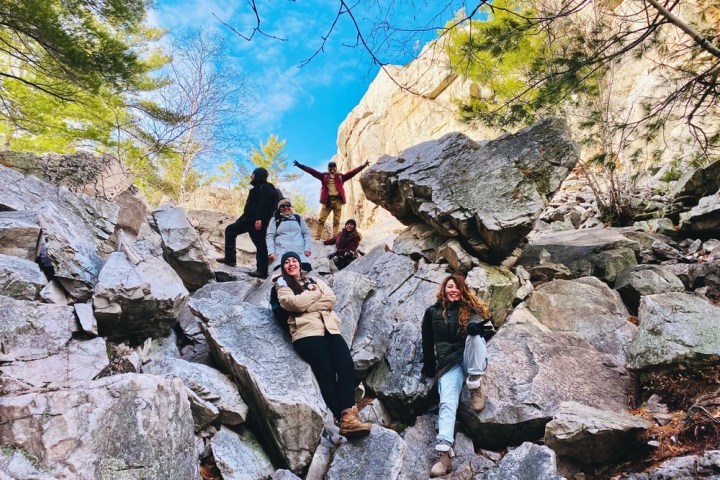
(257, 274)
(229, 263)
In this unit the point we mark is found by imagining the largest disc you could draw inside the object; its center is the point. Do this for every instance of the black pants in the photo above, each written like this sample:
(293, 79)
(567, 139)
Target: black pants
(257, 237)
(330, 360)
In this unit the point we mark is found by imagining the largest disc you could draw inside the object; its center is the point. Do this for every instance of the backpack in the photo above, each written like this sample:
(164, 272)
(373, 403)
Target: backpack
(278, 219)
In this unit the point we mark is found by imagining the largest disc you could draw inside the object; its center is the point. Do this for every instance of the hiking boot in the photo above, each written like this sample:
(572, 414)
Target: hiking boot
(443, 461)
(350, 424)
(229, 263)
(257, 274)
(477, 392)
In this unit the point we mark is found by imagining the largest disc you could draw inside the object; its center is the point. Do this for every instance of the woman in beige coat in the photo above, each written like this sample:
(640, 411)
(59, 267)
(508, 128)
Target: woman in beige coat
(315, 330)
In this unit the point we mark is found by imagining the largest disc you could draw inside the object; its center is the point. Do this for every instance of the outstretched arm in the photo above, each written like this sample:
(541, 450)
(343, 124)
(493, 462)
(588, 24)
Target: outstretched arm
(347, 176)
(309, 170)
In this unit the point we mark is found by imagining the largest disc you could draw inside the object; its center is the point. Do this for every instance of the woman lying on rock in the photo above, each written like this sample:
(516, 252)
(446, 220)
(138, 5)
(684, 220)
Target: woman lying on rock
(454, 331)
(315, 331)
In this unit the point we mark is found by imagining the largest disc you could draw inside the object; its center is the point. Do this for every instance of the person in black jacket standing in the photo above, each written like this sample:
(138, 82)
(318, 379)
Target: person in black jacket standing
(454, 331)
(258, 210)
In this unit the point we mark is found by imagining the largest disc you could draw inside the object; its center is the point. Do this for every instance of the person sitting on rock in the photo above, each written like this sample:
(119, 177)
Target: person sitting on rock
(332, 193)
(315, 330)
(346, 244)
(454, 331)
(287, 232)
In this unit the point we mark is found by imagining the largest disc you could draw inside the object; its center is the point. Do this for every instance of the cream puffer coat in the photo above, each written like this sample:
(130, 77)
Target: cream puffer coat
(311, 312)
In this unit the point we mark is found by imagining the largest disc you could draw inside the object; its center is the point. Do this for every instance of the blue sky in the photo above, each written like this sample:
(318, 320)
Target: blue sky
(304, 105)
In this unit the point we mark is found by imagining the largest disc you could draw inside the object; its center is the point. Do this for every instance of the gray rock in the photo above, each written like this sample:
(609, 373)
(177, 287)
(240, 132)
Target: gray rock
(14, 465)
(548, 368)
(19, 234)
(137, 301)
(351, 289)
(398, 381)
(20, 278)
(418, 241)
(209, 384)
(383, 306)
(704, 217)
(428, 183)
(686, 467)
(39, 350)
(455, 255)
(378, 455)
(586, 306)
(593, 436)
(132, 212)
(182, 247)
(204, 413)
(53, 293)
(211, 228)
(240, 456)
(375, 412)
(598, 252)
(527, 462)
(321, 460)
(675, 328)
(279, 388)
(495, 285)
(698, 183)
(284, 475)
(640, 280)
(102, 176)
(105, 427)
(86, 317)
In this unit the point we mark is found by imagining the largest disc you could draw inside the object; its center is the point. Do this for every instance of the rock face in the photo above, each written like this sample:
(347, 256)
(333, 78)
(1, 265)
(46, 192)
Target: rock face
(280, 390)
(183, 248)
(427, 184)
(379, 455)
(675, 328)
(586, 306)
(108, 427)
(20, 278)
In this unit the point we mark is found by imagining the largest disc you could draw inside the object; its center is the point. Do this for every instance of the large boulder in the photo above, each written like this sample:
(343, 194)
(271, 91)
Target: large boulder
(635, 282)
(207, 383)
(351, 289)
(184, 250)
(531, 371)
(527, 462)
(497, 286)
(101, 176)
(284, 400)
(698, 183)
(105, 428)
(379, 455)
(137, 300)
(19, 234)
(39, 350)
(239, 456)
(675, 329)
(20, 278)
(598, 252)
(586, 306)
(704, 218)
(430, 183)
(593, 436)
(704, 465)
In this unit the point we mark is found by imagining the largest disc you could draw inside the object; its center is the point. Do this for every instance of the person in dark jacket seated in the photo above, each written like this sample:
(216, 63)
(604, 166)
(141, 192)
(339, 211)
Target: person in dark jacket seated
(346, 244)
(454, 331)
(259, 207)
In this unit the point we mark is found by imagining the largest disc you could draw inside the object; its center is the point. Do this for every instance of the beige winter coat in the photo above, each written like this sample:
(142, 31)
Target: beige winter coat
(311, 312)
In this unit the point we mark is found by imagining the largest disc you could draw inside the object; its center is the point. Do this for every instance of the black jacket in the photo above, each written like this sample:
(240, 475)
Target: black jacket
(443, 347)
(261, 200)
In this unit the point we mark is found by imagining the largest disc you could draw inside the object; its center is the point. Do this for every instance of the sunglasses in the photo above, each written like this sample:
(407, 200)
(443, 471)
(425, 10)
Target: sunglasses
(286, 205)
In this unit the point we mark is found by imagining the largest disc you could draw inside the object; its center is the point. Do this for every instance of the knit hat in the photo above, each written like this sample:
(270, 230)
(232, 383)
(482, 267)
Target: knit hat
(287, 255)
(284, 201)
(332, 164)
(352, 221)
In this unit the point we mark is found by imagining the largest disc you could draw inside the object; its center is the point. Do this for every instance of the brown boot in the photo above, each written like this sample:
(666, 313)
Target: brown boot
(443, 464)
(476, 387)
(351, 425)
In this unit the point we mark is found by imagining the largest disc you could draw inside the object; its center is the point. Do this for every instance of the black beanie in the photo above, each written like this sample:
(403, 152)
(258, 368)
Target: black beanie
(287, 255)
(352, 221)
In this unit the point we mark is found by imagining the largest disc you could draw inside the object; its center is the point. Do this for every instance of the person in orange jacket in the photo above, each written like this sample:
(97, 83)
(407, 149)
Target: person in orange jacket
(332, 193)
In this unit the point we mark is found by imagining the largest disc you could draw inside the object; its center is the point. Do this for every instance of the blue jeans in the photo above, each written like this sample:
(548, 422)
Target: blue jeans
(449, 386)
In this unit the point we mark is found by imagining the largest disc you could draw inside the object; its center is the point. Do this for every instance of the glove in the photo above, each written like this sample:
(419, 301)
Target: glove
(296, 163)
(485, 329)
(428, 371)
(330, 257)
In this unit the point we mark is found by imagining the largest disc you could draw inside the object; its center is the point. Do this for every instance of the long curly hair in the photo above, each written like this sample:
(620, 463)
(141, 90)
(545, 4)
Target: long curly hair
(469, 303)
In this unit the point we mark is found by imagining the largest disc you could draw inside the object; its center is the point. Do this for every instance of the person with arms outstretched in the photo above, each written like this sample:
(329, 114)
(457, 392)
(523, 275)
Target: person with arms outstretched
(332, 193)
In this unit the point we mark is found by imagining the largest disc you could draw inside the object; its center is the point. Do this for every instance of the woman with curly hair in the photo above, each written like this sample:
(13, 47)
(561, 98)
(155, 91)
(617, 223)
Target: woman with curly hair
(454, 331)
